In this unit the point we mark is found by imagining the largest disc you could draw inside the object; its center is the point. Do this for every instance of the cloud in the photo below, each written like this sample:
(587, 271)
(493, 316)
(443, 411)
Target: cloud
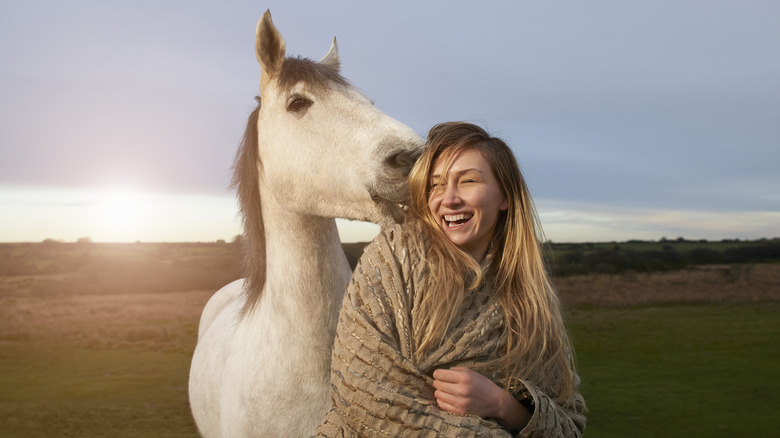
(666, 105)
(579, 222)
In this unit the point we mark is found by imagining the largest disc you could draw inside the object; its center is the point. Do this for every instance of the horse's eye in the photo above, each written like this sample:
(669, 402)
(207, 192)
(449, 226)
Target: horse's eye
(299, 104)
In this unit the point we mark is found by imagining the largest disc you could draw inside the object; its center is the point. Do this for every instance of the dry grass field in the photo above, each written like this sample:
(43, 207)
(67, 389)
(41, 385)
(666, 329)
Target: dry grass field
(96, 339)
(744, 283)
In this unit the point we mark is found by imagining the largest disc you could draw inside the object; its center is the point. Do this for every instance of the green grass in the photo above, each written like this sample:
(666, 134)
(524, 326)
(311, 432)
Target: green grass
(663, 370)
(56, 390)
(680, 370)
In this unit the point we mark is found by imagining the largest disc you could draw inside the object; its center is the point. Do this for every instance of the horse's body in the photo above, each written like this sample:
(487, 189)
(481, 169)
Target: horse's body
(315, 149)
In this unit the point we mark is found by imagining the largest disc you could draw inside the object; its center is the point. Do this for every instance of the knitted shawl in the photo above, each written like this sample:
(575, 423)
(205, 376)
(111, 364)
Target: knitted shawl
(379, 390)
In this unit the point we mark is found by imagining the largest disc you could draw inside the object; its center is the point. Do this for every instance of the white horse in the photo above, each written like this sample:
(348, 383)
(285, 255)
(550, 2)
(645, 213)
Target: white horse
(315, 149)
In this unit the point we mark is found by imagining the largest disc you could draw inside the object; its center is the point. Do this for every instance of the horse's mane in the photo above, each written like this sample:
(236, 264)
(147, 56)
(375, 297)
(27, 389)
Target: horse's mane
(247, 169)
(246, 180)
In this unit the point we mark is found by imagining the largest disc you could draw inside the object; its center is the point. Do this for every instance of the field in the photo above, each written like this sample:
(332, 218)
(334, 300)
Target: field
(96, 340)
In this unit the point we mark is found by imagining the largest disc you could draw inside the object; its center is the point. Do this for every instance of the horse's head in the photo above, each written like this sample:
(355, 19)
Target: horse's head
(324, 148)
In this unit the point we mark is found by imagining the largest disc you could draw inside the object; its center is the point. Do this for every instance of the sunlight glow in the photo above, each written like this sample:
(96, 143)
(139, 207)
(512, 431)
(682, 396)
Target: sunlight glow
(35, 214)
(123, 214)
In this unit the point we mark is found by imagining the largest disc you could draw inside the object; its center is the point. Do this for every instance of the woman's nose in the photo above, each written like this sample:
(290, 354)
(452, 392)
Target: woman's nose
(450, 196)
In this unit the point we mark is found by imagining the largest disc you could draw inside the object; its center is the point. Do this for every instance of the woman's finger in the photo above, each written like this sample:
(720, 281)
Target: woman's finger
(448, 375)
(450, 388)
(449, 407)
(447, 397)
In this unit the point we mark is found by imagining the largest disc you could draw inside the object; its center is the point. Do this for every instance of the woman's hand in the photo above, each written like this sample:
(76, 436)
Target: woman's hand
(462, 391)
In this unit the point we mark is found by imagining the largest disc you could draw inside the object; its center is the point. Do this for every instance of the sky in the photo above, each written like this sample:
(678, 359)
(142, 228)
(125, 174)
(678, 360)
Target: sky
(119, 121)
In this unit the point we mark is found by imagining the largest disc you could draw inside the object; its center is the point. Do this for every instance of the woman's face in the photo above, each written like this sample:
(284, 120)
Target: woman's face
(466, 203)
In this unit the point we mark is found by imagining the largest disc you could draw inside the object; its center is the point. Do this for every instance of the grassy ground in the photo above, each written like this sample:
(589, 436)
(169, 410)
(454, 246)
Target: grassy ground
(680, 370)
(691, 353)
(56, 390)
(97, 365)
(674, 370)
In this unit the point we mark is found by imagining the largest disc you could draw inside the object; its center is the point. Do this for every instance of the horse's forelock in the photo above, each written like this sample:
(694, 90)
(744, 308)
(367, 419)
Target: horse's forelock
(316, 75)
(246, 181)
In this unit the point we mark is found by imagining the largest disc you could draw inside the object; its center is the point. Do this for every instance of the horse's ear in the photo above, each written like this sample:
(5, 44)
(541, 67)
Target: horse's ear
(332, 57)
(269, 48)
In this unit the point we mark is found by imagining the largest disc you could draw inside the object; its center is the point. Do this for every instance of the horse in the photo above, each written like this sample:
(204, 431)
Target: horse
(315, 148)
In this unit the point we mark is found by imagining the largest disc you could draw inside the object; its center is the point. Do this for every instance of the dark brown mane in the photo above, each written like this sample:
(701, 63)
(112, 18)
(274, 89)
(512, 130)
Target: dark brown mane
(248, 166)
(314, 74)
(246, 180)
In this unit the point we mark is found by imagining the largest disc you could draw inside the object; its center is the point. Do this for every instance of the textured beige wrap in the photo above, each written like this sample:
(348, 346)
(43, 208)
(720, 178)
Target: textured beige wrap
(378, 390)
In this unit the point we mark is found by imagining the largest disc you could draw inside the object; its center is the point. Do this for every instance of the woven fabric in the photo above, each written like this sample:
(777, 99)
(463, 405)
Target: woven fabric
(378, 390)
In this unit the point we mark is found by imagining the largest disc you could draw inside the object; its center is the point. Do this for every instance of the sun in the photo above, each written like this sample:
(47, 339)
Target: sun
(123, 214)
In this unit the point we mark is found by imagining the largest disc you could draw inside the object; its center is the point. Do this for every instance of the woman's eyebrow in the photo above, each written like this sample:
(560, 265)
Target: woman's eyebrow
(457, 172)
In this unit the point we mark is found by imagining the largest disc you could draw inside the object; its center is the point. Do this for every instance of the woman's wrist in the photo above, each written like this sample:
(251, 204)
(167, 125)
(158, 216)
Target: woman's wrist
(527, 400)
(512, 414)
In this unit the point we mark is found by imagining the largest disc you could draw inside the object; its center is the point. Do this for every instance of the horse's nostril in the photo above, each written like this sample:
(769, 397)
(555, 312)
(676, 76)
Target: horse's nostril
(403, 159)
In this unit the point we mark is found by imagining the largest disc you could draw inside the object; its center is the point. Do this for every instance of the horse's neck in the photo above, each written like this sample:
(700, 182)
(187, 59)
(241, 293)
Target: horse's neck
(306, 268)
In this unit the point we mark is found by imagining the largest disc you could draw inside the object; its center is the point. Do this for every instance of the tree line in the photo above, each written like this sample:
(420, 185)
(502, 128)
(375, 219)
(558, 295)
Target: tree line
(665, 255)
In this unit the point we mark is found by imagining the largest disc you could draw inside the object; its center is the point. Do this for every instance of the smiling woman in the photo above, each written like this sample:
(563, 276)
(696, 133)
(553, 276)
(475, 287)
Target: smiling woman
(451, 325)
(467, 200)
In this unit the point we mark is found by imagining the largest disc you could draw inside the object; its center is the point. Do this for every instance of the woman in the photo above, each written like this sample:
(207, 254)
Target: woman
(450, 325)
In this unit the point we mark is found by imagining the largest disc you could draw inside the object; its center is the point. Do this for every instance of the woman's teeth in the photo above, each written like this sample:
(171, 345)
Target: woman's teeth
(456, 219)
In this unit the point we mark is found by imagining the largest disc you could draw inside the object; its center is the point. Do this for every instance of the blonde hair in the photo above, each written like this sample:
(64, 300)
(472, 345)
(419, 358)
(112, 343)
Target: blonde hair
(538, 348)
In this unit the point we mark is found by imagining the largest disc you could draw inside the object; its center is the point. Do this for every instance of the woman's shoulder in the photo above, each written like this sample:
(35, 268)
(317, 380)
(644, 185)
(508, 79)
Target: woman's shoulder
(401, 240)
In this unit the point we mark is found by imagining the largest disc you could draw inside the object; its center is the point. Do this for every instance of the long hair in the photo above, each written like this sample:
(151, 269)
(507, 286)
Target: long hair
(246, 180)
(537, 344)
